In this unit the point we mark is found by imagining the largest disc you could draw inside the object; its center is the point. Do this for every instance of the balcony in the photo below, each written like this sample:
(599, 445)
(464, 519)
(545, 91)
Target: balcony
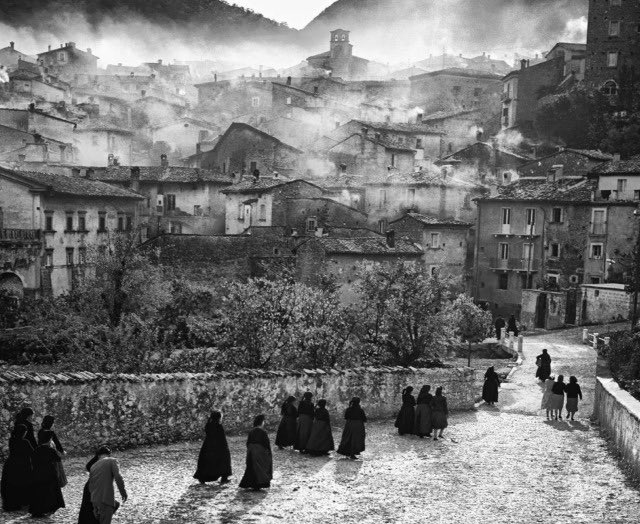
(19, 235)
(613, 195)
(514, 264)
(505, 97)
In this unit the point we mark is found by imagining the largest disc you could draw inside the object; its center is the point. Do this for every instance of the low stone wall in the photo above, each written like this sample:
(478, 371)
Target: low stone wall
(128, 410)
(619, 416)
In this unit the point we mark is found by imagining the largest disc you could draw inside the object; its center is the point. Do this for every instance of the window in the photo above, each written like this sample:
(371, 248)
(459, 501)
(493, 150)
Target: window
(253, 167)
(69, 222)
(433, 270)
(121, 223)
(506, 216)
(419, 143)
(62, 56)
(240, 211)
(595, 251)
(129, 222)
(622, 185)
(69, 256)
(262, 216)
(393, 160)
(503, 281)
(636, 194)
(102, 221)
(94, 140)
(595, 280)
(411, 195)
(609, 88)
(553, 278)
(531, 220)
(48, 220)
(288, 101)
(48, 258)
(312, 223)
(171, 202)
(82, 220)
(556, 215)
(598, 222)
(554, 250)
(612, 59)
(614, 28)
(382, 226)
(435, 240)
(197, 211)
(503, 251)
(527, 252)
(176, 228)
(382, 198)
(255, 101)
(336, 37)
(573, 279)
(82, 256)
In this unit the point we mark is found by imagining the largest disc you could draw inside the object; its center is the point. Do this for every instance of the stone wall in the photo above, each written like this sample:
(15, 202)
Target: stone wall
(619, 416)
(129, 410)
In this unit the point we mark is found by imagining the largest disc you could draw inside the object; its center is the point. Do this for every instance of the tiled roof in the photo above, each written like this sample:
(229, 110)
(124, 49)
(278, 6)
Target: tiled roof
(74, 185)
(426, 177)
(630, 166)
(568, 190)
(161, 174)
(430, 220)
(400, 127)
(368, 246)
(442, 115)
(249, 185)
(594, 154)
(459, 71)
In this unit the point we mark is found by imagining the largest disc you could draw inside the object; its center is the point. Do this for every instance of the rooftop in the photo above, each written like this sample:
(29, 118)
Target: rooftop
(630, 166)
(250, 185)
(443, 115)
(431, 220)
(401, 127)
(161, 174)
(368, 246)
(459, 71)
(566, 190)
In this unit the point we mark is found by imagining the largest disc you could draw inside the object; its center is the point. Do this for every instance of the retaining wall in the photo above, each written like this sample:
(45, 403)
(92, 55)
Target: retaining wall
(129, 410)
(619, 416)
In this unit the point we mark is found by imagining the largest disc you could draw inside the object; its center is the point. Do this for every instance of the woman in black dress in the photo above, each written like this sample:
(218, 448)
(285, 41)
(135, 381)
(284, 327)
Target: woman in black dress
(17, 471)
(286, 435)
(214, 461)
(407, 414)
(512, 326)
(439, 413)
(573, 391)
(305, 422)
(259, 470)
(353, 434)
(423, 412)
(490, 388)
(25, 417)
(543, 361)
(47, 425)
(46, 492)
(86, 515)
(321, 439)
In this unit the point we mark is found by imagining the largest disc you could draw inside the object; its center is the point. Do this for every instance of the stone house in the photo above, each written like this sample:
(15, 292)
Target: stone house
(574, 56)
(33, 86)
(225, 100)
(183, 133)
(19, 146)
(461, 128)
(10, 57)
(245, 149)
(617, 179)
(38, 122)
(104, 105)
(68, 61)
(447, 243)
(564, 163)
(69, 216)
(339, 60)
(96, 141)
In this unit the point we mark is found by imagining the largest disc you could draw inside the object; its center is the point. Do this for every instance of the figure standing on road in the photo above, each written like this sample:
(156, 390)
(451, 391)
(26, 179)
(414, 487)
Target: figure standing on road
(286, 435)
(305, 422)
(512, 326)
(214, 461)
(543, 361)
(353, 434)
(491, 385)
(407, 414)
(500, 323)
(439, 413)
(259, 466)
(546, 396)
(86, 515)
(46, 492)
(25, 417)
(17, 471)
(573, 391)
(104, 472)
(557, 397)
(422, 426)
(47, 425)
(321, 439)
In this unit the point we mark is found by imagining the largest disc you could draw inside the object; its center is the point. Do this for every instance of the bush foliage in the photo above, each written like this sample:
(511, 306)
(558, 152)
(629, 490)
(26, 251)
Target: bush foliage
(623, 358)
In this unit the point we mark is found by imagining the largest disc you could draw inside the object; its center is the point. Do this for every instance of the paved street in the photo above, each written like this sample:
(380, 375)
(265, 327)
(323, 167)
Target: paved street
(502, 465)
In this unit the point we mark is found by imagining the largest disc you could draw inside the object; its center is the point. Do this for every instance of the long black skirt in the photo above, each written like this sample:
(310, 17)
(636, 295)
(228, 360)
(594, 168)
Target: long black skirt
(214, 462)
(305, 423)
(543, 372)
(422, 425)
(439, 420)
(287, 430)
(353, 437)
(321, 438)
(86, 508)
(490, 391)
(15, 484)
(259, 469)
(405, 420)
(46, 497)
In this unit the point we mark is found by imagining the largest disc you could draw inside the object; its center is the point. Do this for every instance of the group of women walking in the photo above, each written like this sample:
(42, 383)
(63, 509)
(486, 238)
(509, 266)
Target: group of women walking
(555, 390)
(33, 475)
(427, 415)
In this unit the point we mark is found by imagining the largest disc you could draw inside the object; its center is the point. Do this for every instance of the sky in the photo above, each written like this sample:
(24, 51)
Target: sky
(296, 13)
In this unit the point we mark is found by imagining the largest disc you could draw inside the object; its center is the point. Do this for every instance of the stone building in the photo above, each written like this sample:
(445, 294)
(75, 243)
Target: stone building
(574, 56)
(96, 141)
(613, 40)
(183, 134)
(10, 57)
(35, 121)
(34, 87)
(617, 179)
(565, 163)
(225, 100)
(339, 60)
(20, 146)
(68, 61)
(462, 128)
(69, 217)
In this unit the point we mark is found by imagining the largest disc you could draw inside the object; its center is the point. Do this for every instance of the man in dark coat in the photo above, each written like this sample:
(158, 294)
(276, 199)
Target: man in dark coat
(500, 323)
(214, 461)
(259, 465)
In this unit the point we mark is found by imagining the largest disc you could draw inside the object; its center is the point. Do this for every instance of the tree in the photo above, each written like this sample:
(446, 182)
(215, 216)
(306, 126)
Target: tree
(473, 324)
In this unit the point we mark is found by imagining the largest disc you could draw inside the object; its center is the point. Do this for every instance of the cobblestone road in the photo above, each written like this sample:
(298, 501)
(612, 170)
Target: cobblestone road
(500, 465)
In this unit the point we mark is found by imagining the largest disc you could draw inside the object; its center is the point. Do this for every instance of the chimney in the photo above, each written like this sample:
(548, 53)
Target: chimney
(215, 77)
(483, 54)
(71, 44)
(89, 50)
(256, 176)
(159, 61)
(391, 238)
(616, 157)
(523, 64)
(135, 178)
(129, 119)
(49, 48)
(119, 64)
(489, 57)
(12, 44)
(110, 159)
(163, 160)
(419, 118)
(276, 175)
(198, 148)
(288, 80)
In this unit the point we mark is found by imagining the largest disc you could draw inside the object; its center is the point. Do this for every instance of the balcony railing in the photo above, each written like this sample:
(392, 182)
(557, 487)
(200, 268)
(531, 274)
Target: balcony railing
(514, 264)
(613, 194)
(13, 235)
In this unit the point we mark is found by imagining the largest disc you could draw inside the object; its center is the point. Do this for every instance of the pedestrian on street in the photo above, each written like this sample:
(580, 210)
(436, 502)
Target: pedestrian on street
(439, 413)
(214, 461)
(17, 471)
(259, 466)
(407, 415)
(47, 425)
(557, 397)
(543, 361)
(287, 430)
(104, 472)
(305, 422)
(352, 442)
(321, 439)
(422, 425)
(546, 396)
(573, 391)
(491, 385)
(86, 515)
(512, 326)
(500, 323)
(25, 417)
(46, 490)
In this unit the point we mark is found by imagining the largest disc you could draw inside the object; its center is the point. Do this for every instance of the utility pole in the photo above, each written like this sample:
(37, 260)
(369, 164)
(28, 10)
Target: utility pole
(635, 275)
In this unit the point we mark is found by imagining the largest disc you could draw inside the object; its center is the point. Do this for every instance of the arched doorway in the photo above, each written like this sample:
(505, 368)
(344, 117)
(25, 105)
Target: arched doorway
(11, 284)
